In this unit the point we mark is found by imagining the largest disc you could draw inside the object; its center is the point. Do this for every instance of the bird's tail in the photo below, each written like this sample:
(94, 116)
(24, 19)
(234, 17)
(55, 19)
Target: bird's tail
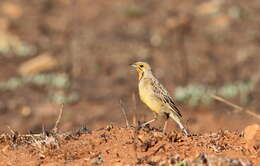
(177, 119)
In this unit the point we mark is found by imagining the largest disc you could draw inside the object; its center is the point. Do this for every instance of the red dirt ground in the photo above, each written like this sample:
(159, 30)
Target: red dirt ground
(128, 146)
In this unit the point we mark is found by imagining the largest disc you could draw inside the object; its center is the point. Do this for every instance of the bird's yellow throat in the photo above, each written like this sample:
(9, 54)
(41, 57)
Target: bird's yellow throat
(140, 73)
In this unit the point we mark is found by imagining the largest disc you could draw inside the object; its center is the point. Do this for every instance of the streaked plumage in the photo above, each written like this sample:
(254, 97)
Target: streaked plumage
(155, 96)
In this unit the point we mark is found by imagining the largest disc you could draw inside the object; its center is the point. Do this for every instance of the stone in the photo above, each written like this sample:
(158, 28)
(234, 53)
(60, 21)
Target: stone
(252, 136)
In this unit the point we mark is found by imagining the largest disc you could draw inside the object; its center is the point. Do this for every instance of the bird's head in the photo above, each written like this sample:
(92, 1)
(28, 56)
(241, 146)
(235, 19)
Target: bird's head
(141, 68)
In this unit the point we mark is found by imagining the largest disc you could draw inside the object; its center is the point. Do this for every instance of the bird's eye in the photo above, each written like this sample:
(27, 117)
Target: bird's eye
(141, 65)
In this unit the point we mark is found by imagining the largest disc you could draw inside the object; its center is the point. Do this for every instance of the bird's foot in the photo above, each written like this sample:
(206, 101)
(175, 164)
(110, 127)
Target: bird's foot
(186, 131)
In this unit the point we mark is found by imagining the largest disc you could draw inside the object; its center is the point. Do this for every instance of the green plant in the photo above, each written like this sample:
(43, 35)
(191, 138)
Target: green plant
(12, 44)
(181, 163)
(56, 84)
(195, 94)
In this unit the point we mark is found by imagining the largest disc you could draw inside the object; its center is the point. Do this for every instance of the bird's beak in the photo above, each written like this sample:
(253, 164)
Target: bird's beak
(133, 65)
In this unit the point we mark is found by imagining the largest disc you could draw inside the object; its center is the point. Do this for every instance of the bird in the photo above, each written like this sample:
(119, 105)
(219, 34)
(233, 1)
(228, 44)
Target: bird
(156, 97)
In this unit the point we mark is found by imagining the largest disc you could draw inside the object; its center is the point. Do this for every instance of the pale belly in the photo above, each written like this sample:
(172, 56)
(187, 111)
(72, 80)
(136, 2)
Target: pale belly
(151, 101)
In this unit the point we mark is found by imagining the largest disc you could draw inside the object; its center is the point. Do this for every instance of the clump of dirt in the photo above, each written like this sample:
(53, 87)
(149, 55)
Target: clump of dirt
(127, 146)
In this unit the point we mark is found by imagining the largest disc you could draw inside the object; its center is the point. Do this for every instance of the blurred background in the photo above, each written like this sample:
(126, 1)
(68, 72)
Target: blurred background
(77, 52)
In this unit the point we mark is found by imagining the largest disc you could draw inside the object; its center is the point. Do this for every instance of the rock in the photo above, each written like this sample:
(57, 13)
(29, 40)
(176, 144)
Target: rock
(43, 62)
(97, 161)
(26, 111)
(12, 10)
(208, 8)
(155, 159)
(252, 136)
(211, 159)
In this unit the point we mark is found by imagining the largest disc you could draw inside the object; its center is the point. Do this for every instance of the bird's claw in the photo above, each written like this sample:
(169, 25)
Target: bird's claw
(186, 132)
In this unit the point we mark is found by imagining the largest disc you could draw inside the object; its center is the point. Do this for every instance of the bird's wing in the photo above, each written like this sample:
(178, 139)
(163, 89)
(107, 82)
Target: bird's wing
(161, 93)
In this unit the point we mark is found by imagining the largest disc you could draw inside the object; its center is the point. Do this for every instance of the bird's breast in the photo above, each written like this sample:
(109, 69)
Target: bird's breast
(147, 96)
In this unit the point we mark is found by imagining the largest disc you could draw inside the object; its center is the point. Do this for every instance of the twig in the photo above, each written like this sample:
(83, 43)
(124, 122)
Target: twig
(37, 142)
(44, 133)
(153, 153)
(135, 144)
(12, 131)
(29, 135)
(56, 127)
(237, 107)
(134, 110)
(123, 109)
(158, 149)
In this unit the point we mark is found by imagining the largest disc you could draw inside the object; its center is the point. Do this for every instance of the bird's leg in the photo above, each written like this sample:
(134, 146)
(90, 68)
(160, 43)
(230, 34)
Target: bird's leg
(166, 117)
(150, 121)
(178, 121)
(184, 129)
(165, 125)
(186, 132)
